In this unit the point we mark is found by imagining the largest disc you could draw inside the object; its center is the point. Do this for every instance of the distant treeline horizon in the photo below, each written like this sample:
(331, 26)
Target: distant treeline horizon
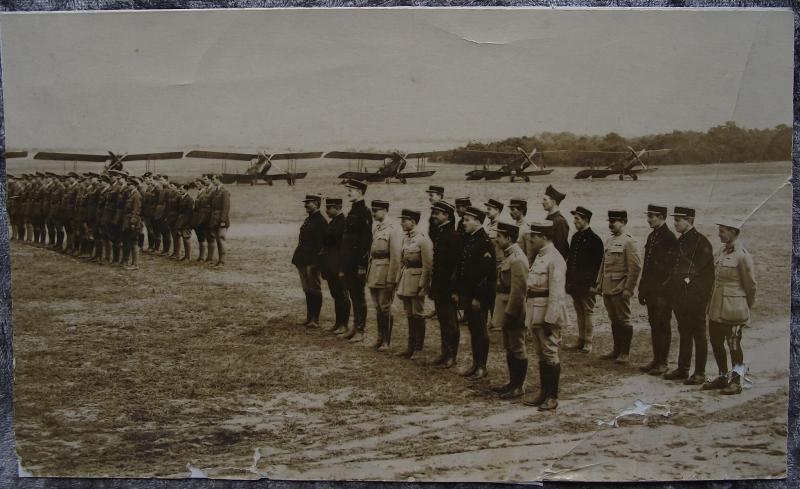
(725, 143)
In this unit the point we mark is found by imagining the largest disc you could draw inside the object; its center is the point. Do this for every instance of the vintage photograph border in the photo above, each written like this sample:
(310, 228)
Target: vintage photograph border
(8, 459)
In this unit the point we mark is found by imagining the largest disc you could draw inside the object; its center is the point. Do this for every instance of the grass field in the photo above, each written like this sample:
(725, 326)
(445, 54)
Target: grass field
(146, 373)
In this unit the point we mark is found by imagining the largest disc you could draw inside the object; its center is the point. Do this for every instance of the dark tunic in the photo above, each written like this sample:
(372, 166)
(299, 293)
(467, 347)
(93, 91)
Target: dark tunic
(309, 243)
(560, 233)
(357, 237)
(446, 255)
(476, 271)
(692, 278)
(583, 261)
(659, 257)
(331, 252)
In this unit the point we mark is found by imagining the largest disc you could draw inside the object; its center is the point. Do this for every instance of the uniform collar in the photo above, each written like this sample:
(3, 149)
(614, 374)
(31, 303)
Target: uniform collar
(510, 250)
(731, 247)
(412, 233)
(546, 249)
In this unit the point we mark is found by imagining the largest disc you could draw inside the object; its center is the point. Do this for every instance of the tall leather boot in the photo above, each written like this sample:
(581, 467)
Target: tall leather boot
(540, 398)
(615, 338)
(520, 371)
(316, 307)
(510, 384)
(483, 355)
(473, 343)
(420, 337)
(389, 325)
(380, 320)
(187, 249)
(626, 337)
(553, 375)
(115, 253)
(210, 253)
(412, 339)
(201, 246)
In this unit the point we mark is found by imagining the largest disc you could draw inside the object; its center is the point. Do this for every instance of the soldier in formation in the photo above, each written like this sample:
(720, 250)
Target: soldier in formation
(102, 218)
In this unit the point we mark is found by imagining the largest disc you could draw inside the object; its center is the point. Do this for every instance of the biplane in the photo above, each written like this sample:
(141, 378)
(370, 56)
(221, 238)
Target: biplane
(392, 165)
(15, 154)
(512, 164)
(631, 167)
(260, 165)
(115, 161)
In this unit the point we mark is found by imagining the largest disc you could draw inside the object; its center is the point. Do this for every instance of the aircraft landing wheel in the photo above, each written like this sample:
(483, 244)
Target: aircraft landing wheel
(527, 179)
(621, 177)
(404, 181)
(635, 176)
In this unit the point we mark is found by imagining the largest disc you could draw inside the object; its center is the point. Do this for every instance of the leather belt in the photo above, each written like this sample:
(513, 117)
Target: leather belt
(413, 265)
(503, 290)
(537, 293)
(380, 254)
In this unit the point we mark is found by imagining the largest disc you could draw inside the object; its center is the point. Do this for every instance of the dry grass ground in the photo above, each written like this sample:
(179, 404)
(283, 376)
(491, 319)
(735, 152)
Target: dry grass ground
(138, 374)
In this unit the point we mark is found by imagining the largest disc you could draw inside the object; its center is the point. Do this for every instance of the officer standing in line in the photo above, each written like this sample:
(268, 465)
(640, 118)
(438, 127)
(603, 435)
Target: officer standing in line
(67, 210)
(110, 207)
(120, 242)
(493, 210)
(518, 209)
(331, 263)
(435, 194)
(583, 265)
(200, 216)
(415, 278)
(184, 223)
(446, 253)
(691, 283)
(616, 281)
(475, 285)
(356, 243)
(461, 207)
(729, 311)
(307, 260)
(550, 202)
(383, 271)
(173, 211)
(162, 210)
(659, 256)
(546, 312)
(219, 220)
(98, 229)
(132, 222)
(149, 200)
(509, 308)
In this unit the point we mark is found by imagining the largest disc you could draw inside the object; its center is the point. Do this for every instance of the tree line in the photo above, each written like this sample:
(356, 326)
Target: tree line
(725, 143)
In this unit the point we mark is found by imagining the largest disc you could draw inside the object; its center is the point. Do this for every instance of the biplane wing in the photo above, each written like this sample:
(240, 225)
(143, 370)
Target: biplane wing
(356, 155)
(297, 156)
(175, 155)
(430, 154)
(219, 155)
(363, 176)
(269, 177)
(16, 154)
(44, 155)
(536, 173)
(604, 172)
(416, 174)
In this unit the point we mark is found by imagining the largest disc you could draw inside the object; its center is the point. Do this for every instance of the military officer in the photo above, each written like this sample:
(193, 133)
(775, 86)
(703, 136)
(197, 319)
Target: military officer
(435, 194)
(446, 253)
(173, 211)
(550, 202)
(356, 243)
(306, 258)
(509, 306)
(691, 283)
(583, 265)
(132, 222)
(546, 312)
(149, 200)
(97, 226)
(184, 222)
(616, 281)
(109, 208)
(383, 271)
(331, 263)
(219, 221)
(162, 206)
(659, 256)
(729, 310)
(200, 215)
(518, 209)
(67, 208)
(415, 278)
(475, 287)
(461, 207)
(493, 210)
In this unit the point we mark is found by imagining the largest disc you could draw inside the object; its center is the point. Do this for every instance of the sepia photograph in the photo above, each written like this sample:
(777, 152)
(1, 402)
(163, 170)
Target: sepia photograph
(484, 245)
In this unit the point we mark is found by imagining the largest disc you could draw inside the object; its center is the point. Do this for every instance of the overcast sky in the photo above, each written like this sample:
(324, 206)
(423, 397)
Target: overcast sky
(405, 79)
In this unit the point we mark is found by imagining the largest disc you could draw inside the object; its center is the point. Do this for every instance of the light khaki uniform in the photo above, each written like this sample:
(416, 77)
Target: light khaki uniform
(384, 265)
(509, 302)
(619, 271)
(415, 273)
(547, 303)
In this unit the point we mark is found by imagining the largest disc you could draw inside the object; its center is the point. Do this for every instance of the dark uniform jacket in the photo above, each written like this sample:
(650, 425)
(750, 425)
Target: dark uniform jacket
(331, 252)
(357, 237)
(161, 195)
(659, 257)
(132, 214)
(310, 242)
(173, 206)
(446, 255)
(476, 271)
(56, 194)
(119, 214)
(560, 233)
(68, 202)
(185, 210)
(583, 261)
(111, 206)
(460, 227)
(692, 278)
(220, 208)
(433, 229)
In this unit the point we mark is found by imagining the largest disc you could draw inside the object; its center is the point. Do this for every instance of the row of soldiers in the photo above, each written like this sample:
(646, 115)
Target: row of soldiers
(103, 217)
(517, 276)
